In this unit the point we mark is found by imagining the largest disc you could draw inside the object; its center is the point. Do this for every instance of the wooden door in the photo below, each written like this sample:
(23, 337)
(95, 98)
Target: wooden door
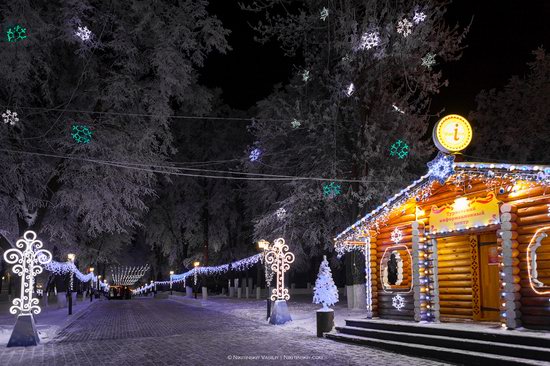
(489, 277)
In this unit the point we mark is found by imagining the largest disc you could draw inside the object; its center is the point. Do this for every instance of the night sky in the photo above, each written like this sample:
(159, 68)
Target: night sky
(501, 38)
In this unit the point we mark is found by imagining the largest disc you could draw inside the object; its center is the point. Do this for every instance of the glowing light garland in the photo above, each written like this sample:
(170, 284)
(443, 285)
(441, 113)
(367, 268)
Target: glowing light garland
(10, 118)
(16, 33)
(28, 259)
(127, 276)
(420, 188)
(60, 268)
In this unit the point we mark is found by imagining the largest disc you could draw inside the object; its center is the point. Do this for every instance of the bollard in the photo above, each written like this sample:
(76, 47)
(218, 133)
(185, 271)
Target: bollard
(188, 291)
(205, 293)
(258, 293)
(239, 293)
(246, 293)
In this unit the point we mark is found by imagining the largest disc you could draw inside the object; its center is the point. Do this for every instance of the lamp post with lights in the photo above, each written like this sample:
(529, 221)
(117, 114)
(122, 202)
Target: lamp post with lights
(91, 284)
(196, 265)
(264, 246)
(171, 274)
(71, 257)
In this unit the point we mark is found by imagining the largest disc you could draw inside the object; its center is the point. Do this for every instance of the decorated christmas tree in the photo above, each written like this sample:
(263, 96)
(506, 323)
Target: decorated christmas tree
(325, 291)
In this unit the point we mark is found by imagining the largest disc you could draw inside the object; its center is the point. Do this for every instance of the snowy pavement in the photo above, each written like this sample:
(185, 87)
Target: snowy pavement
(220, 331)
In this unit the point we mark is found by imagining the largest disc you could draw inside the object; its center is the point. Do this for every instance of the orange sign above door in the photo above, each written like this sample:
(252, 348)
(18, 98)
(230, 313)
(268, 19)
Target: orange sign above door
(464, 213)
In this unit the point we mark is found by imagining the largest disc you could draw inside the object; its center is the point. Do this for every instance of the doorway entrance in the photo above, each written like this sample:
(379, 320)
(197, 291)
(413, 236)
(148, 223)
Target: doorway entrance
(489, 277)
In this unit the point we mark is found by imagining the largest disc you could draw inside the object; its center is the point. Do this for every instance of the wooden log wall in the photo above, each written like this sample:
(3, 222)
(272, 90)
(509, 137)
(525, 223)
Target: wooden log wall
(455, 277)
(509, 270)
(383, 242)
(531, 215)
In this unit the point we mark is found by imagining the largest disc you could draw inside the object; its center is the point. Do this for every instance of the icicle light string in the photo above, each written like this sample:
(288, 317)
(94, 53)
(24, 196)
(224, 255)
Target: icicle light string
(60, 268)
(157, 169)
(240, 265)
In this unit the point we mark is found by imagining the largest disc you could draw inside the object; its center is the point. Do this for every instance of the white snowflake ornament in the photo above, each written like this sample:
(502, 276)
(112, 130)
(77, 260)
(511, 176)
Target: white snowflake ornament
(305, 75)
(10, 118)
(404, 27)
(428, 61)
(397, 109)
(398, 302)
(369, 40)
(419, 17)
(281, 214)
(441, 167)
(255, 154)
(396, 235)
(83, 33)
(324, 14)
(295, 123)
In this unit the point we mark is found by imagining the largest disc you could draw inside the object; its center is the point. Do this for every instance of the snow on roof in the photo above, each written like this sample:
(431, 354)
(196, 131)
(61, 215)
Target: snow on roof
(441, 169)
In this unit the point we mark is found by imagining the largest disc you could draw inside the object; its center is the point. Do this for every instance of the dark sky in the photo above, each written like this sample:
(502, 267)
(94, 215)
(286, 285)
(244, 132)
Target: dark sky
(501, 38)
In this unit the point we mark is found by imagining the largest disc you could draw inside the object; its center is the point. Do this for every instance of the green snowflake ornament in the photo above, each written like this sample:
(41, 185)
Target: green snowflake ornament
(82, 134)
(16, 33)
(332, 190)
(400, 149)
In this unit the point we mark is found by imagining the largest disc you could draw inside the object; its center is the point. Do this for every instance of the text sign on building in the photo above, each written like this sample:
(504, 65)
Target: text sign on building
(464, 213)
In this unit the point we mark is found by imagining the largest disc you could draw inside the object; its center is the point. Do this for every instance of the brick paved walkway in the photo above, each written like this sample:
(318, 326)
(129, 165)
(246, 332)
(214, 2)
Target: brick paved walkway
(165, 332)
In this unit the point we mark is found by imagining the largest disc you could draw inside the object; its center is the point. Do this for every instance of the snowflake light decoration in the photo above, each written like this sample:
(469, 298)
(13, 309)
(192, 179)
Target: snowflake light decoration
(295, 123)
(281, 213)
(82, 134)
(350, 90)
(400, 149)
(10, 118)
(404, 27)
(398, 302)
(369, 40)
(83, 33)
(441, 167)
(255, 154)
(305, 76)
(332, 190)
(428, 61)
(16, 33)
(396, 235)
(419, 17)
(324, 14)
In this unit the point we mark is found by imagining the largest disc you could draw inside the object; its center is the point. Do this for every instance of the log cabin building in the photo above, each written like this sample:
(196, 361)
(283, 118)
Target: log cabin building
(466, 241)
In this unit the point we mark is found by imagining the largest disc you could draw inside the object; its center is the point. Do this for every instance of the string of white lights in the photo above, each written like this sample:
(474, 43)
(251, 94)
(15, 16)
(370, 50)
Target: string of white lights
(60, 268)
(240, 265)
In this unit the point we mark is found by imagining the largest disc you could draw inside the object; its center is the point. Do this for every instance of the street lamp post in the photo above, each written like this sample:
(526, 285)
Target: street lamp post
(264, 245)
(98, 285)
(196, 265)
(171, 274)
(279, 258)
(91, 283)
(70, 258)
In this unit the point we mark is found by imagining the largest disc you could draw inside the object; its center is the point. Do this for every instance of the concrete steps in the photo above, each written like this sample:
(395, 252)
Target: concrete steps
(447, 344)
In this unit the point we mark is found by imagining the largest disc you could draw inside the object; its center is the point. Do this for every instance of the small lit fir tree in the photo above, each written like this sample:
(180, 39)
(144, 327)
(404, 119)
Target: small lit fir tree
(325, 291)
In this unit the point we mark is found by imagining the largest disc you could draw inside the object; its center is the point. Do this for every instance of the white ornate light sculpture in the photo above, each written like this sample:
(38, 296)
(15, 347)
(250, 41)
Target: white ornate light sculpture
(279, 257)
(27, 259)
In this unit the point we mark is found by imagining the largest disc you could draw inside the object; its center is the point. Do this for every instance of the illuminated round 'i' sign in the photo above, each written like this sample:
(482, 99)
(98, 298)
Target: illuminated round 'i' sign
(452, 133)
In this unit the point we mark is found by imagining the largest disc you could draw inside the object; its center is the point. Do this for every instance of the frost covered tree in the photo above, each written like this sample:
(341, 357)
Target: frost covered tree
(521, 113)
(325, 291)
(116, 70)
(356, 109)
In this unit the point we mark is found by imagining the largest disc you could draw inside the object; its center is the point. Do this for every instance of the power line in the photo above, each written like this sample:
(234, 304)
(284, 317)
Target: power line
(170, 116)
(163, 170)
